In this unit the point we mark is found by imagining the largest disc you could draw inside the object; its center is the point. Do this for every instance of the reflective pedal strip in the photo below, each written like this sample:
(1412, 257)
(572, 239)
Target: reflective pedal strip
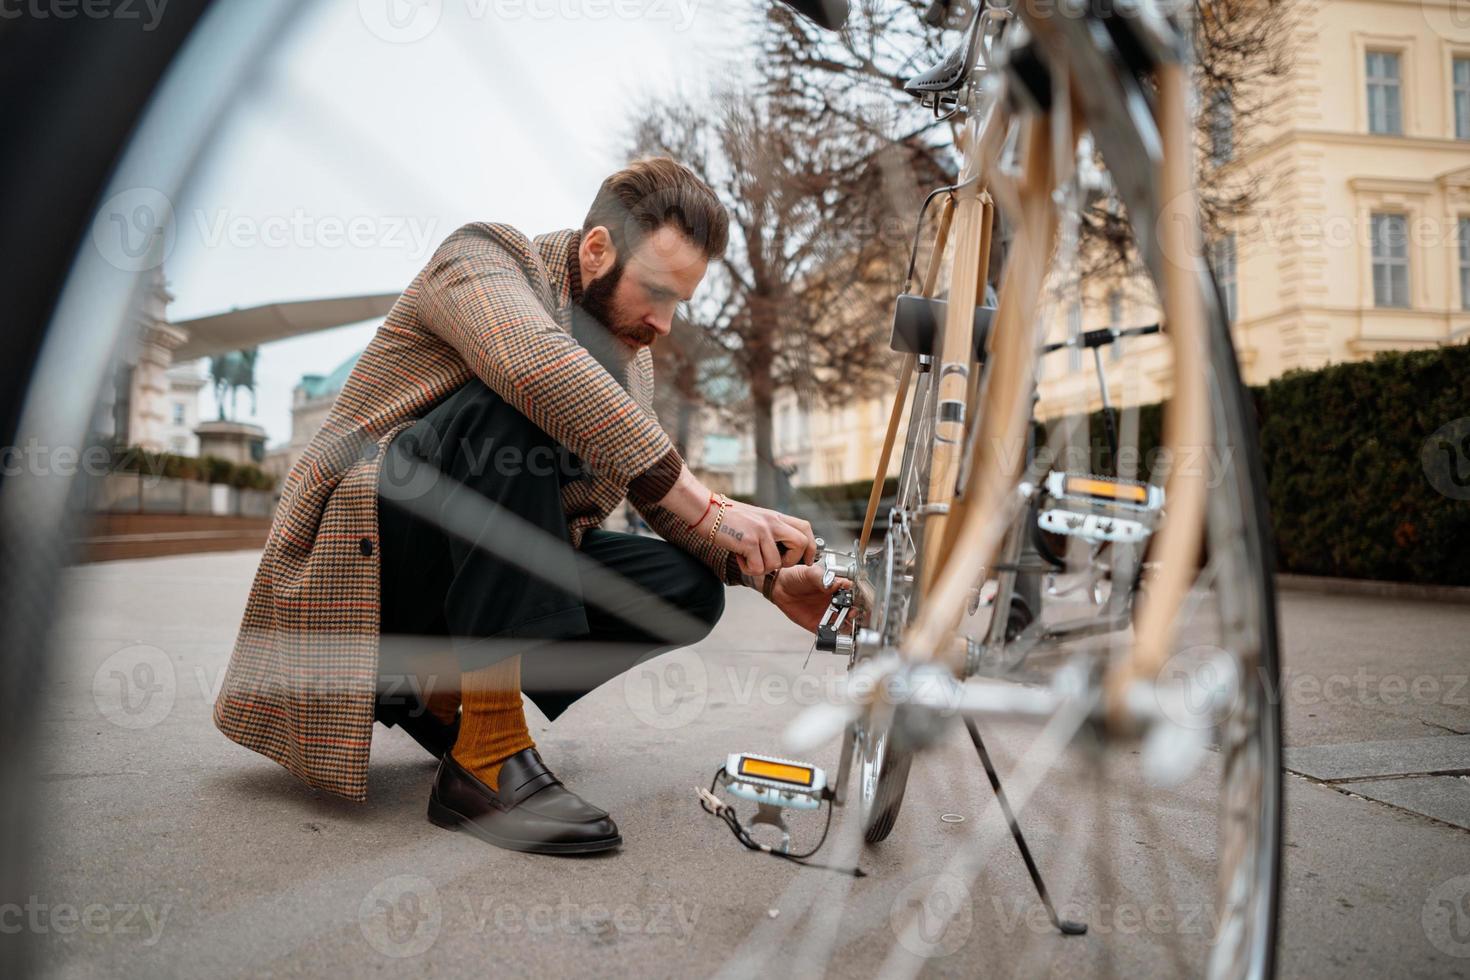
(1103, 488)
(799, 775)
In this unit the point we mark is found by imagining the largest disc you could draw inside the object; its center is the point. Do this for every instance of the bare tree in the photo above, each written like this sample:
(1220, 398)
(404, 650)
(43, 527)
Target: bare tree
(683, 363)
(1241, 47)
(820, 217)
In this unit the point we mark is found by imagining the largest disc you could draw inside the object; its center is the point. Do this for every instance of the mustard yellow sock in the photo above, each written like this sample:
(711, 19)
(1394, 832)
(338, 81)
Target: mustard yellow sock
(492, 725)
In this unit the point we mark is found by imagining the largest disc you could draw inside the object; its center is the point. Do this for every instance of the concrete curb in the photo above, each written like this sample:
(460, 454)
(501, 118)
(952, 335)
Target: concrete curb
(1323, 585)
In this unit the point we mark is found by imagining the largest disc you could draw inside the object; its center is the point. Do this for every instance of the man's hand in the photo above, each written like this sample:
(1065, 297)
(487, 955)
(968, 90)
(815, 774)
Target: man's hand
(800, 595)
(765, 540)
(762, 540)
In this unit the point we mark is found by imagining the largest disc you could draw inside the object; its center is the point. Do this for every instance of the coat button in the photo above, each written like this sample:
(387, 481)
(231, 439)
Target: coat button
(366, 547)
(370, 451)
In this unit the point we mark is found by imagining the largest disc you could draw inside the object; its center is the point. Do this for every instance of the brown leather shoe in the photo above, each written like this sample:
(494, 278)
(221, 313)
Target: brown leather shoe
(532, 811)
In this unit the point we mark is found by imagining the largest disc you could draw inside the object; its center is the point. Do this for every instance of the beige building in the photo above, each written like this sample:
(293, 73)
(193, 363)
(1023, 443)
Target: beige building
(311, 400)
(830, 445)
(134, 406)
(1359, 243)
(185, 381)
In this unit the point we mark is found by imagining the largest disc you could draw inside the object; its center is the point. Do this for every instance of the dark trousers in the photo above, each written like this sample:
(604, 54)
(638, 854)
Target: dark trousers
(454, 557)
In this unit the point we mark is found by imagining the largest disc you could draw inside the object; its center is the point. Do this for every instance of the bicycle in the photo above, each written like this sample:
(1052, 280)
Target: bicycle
(1183, 662)
(925, 672)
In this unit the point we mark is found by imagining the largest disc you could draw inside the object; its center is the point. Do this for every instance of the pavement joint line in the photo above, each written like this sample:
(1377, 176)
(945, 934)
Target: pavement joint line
(1346, 790)
(1380, 758)
(1382, 779)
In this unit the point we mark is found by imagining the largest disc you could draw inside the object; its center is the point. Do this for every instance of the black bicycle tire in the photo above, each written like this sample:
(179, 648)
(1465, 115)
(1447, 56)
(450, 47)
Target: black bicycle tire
(888, 799)
(58, 148)
(1240, 421)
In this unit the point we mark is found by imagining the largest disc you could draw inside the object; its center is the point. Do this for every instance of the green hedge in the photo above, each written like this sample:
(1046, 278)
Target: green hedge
(205, 469)
(1344, 450)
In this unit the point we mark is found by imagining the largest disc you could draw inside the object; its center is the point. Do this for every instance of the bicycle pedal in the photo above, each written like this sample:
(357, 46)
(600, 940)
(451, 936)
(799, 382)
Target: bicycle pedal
(776, 782)
(1099, 508)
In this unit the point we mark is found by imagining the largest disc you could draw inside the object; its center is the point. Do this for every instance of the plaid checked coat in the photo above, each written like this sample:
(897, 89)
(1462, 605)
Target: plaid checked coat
(301, 682)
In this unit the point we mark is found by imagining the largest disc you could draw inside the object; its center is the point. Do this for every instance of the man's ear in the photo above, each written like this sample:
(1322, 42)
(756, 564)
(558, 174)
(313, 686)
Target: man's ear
(596, 253)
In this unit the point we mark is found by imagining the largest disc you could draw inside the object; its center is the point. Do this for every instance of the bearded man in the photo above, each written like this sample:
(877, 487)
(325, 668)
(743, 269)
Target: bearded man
(445, 521)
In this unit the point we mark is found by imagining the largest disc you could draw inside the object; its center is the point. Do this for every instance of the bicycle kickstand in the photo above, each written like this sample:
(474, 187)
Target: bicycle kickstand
(1065, 926)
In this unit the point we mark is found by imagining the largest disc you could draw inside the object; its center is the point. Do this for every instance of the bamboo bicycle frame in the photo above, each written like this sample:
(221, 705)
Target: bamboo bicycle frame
(906, 375)
(964, 541)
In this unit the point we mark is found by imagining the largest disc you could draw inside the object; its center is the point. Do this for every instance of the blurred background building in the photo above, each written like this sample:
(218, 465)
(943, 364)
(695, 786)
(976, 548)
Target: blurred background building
(311, 400)
(1357, 242)
(1360, 241)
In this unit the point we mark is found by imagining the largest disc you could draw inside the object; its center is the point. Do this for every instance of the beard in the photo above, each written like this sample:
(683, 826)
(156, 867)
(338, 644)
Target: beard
(597, 302)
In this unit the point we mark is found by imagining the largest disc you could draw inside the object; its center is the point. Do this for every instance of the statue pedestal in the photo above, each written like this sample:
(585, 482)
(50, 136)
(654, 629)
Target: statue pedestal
(238, 442)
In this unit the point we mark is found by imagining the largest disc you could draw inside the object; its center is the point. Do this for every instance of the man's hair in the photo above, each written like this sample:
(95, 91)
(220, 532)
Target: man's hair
(647, 194)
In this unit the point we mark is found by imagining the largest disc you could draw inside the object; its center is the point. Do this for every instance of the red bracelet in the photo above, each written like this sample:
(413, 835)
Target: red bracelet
(705, 514)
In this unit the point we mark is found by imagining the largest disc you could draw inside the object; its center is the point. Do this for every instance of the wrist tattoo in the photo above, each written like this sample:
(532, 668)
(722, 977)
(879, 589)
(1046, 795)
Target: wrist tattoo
(736, 534)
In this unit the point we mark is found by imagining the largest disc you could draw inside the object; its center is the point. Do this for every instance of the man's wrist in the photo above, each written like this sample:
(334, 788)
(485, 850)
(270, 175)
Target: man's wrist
(764, 584)
(687, 499)
(768, 585)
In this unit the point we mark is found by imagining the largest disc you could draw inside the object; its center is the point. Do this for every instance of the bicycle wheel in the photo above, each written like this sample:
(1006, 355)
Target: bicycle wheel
(882, 763)
(1199, 660)
(883, 777)
(1250, 821)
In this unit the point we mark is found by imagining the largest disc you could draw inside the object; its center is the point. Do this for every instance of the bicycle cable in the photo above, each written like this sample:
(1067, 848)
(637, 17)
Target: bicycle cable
(717, 807)
(949, 189)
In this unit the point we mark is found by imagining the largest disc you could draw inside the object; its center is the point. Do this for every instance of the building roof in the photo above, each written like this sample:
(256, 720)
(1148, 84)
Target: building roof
(257, 325)
(317, 386)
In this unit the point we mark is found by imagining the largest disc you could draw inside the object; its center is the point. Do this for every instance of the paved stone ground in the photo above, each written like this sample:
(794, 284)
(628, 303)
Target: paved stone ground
(169, 851)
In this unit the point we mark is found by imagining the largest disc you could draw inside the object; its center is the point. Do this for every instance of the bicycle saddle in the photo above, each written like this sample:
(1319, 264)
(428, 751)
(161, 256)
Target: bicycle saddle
(950, 74)
(831, 14)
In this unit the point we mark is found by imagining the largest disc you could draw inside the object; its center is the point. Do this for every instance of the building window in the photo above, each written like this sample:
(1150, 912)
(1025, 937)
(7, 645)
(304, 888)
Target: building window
(1465, 263)
(1074, 330)
(1390, 260)
(1222, 262)
(122, 405)
(1221, 127)
(1385, 110)
(178, 413)
(1115, 320)
(1462, 98)
(832, 462)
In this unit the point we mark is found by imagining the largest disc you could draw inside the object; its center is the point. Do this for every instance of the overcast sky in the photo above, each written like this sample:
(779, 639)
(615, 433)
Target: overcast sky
(384, 125)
